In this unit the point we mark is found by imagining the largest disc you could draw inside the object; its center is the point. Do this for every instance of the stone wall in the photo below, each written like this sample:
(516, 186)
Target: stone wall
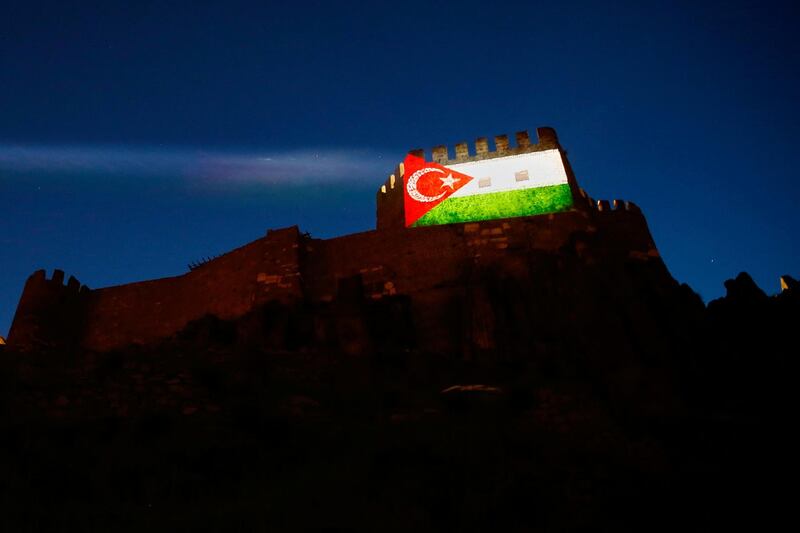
(228, 287)
(432, 265)
(439, 270)
(442, 268)
(49, 313)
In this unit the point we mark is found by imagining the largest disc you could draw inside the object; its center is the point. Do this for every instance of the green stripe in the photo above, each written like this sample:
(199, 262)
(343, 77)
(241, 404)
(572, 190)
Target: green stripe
(506, 204)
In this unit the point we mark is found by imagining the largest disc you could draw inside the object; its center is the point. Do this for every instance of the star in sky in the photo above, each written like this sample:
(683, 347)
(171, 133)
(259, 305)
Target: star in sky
(449, 181)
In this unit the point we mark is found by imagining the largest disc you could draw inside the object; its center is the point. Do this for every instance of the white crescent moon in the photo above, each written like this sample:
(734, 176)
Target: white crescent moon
(411, 186)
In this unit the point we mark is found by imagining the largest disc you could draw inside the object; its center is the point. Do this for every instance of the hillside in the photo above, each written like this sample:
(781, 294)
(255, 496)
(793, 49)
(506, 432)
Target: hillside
(623, 403)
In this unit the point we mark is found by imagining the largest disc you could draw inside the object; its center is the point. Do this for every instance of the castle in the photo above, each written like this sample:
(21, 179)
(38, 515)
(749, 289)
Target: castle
(435, 271)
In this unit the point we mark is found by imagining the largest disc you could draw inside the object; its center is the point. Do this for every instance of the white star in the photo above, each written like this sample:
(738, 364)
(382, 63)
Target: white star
(449, 181)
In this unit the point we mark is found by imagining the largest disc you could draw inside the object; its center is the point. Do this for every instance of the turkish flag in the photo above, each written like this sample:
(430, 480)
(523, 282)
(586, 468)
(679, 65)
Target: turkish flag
(426, 185)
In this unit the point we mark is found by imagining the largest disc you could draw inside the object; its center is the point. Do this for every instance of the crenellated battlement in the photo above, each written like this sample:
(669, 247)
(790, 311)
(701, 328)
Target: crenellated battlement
(462, 152)
(605, 206)
(394, 180)
(194, 265)
(389, 200)
(481, 149)
(56, 282)
(49, 305)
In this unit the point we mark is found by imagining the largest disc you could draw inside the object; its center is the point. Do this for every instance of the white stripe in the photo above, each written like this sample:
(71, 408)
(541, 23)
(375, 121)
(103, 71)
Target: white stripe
(544, 168)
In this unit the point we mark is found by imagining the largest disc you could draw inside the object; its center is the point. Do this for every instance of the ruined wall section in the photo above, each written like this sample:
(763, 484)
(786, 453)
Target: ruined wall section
(50, 313)
(228, 287)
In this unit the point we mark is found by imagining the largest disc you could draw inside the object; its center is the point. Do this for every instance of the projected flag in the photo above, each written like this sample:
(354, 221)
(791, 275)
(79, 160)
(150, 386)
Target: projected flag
(427, 185)
(517, 185)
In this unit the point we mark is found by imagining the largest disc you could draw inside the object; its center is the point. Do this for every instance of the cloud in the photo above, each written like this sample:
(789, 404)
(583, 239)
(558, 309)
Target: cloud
(201, 167)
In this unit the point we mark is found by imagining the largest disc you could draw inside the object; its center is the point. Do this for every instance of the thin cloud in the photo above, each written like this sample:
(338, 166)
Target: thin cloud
(203, 168)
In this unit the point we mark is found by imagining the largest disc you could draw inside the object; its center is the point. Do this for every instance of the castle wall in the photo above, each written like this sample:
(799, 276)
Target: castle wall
(389, 202)
(418, 259)
(228, 287)
(50, 313)
(432, 265)
(389, 199)
(437, 265)
(438, 269)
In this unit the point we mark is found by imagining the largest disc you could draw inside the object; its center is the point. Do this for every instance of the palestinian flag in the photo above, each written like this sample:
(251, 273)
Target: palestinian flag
(519, 185)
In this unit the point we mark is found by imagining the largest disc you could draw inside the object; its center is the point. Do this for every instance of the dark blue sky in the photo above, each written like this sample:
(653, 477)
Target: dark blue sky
(138, 136)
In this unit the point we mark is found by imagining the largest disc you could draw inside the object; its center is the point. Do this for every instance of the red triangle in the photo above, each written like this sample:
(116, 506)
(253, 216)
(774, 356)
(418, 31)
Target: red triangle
(426, 185)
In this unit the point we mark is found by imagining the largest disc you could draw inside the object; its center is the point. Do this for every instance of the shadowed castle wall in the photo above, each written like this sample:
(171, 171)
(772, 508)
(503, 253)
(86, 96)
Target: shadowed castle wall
(228, 287)
(49, 313)
(438, 268)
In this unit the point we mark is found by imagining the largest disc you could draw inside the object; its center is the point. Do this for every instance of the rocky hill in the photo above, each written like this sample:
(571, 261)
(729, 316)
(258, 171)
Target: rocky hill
(616, 400)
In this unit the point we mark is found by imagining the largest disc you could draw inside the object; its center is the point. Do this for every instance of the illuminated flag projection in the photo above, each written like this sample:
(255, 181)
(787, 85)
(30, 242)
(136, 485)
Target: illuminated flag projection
(513, 186)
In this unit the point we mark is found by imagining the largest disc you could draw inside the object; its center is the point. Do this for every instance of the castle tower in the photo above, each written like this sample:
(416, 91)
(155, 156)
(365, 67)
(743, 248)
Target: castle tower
(49, 313)
(509, 180)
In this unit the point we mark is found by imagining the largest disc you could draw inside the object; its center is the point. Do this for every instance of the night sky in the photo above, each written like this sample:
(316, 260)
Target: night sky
(136, 137)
